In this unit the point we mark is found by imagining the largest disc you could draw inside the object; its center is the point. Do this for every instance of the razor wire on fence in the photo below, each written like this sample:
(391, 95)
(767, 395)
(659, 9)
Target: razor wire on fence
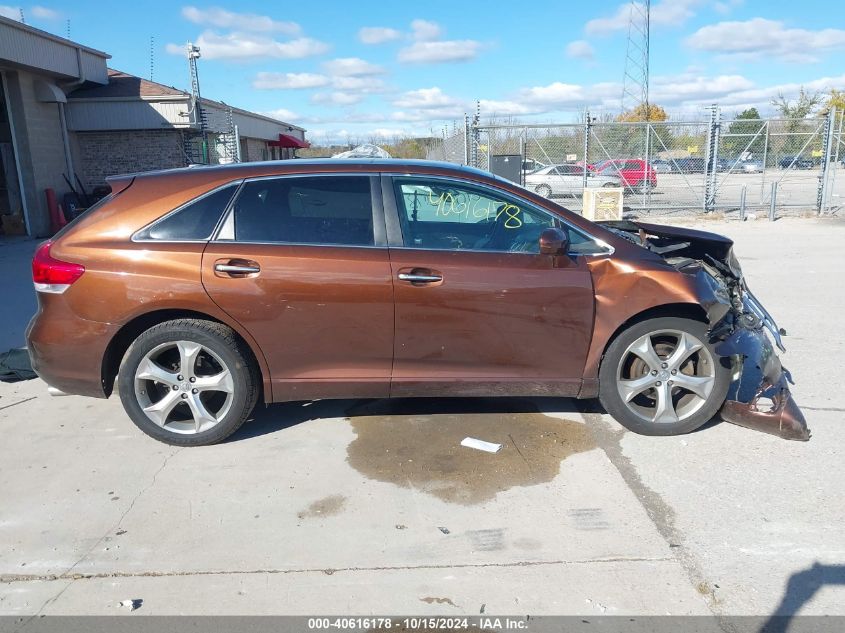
(770, 166)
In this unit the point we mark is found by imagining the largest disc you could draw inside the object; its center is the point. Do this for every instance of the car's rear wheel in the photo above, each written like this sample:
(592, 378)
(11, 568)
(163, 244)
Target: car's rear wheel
(543, 190)
(188, 382)
(662, 377)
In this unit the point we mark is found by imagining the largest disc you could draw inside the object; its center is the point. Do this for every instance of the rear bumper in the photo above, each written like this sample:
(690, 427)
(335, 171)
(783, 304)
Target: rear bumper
(759, 397)
(66, 350)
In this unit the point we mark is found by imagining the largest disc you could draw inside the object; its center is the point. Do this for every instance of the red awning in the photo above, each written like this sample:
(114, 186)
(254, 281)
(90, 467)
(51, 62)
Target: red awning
(286, 140)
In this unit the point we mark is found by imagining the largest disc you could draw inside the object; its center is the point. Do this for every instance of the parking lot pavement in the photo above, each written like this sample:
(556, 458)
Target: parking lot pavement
(358, 507)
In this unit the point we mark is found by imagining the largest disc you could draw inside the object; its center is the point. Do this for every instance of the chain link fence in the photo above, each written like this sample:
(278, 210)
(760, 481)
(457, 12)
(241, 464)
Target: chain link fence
(739, 167)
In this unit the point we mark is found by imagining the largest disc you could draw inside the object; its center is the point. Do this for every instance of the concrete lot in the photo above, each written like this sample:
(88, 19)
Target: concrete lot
(373, 507)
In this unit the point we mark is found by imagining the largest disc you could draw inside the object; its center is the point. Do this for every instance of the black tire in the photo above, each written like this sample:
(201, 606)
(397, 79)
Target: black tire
(219, 340)
(543, 190)
(610, 369)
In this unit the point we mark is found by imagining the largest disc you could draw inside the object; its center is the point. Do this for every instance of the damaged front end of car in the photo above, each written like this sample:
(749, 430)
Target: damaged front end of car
(759, 396)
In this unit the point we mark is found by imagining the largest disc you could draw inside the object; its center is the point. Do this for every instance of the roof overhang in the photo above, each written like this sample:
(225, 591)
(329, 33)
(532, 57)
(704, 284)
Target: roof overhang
(286, 140)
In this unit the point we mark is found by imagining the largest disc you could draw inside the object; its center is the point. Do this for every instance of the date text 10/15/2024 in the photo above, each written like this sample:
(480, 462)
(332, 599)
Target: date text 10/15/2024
(372, 623)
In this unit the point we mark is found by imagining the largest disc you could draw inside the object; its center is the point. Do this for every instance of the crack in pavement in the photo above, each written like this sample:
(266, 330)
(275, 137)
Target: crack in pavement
(17, 578)
(662, 515)
(8, 406)
(68, 575)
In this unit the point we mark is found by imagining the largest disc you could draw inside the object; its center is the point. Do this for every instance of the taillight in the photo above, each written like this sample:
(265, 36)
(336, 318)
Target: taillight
(53, 275)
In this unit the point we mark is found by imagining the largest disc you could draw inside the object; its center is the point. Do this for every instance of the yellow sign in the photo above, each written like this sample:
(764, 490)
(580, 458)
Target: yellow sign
(692, 149)
(817, 153)
(483, 148)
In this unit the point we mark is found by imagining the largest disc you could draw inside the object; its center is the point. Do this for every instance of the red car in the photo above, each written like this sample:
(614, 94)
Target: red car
(634, 172)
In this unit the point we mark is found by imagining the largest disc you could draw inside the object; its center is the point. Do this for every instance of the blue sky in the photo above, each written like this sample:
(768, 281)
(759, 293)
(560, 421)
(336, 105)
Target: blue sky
(382, 68)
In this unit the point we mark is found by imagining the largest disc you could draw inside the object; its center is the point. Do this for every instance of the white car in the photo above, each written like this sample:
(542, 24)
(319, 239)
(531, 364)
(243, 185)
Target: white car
(566, 180)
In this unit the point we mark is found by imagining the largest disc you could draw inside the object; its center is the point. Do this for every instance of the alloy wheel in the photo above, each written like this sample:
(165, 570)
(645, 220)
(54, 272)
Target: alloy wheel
(666, 376)
(184, 387)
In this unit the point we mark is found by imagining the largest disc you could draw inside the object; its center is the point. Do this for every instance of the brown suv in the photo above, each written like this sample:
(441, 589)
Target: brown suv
(203, 291)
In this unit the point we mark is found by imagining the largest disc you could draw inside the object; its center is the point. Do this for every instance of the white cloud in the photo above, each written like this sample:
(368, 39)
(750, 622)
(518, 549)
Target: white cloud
(428, 48)
(13, 13)
(762, 96)
(425, 31)
(440, 52)
(45, 13)
(352, 67)
(300, 81)
(580, 49)
(506, 108)
(388, 133)
(377, 35)
(337, 98)
(760, 39)
(250, 22)
(289, 81)
(359, 84)
(664, 13)
(242, 47)
(428, 104)
(429, 115)
(684, 88)
(555, 94)
(424, 98)
(281, 114)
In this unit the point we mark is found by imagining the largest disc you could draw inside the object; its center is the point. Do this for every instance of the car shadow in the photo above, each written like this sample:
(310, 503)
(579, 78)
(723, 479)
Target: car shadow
(800, 589)
(281, 416)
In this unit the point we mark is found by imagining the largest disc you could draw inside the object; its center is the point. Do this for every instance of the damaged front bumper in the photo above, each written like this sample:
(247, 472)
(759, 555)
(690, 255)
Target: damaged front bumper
(759, 396)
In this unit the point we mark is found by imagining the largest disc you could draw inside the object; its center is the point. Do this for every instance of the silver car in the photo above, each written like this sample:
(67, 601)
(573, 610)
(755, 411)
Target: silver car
(566, 180)
(752, 166)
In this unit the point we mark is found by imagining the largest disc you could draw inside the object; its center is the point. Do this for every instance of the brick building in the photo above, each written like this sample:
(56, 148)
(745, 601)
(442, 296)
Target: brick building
(63, 112)
(132, 124)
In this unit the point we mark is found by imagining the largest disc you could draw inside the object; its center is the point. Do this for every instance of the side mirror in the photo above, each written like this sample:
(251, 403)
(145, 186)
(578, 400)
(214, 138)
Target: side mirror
(554, 241)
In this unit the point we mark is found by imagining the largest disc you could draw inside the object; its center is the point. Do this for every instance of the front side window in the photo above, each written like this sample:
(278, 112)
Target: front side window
(193, 222)
(447, 215)
(438, 214)
(331, 210)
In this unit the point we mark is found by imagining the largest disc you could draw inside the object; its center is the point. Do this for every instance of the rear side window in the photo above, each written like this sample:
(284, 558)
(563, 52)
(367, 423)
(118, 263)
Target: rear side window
(332, 210)
(194, 221)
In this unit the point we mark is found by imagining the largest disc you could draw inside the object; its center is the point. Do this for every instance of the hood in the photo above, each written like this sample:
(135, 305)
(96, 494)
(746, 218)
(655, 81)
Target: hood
(679, 242)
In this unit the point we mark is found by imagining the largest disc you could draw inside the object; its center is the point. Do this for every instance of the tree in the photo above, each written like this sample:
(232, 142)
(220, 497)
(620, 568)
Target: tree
(641, 113)
(801, 108)
(744, 134)
(835, 99)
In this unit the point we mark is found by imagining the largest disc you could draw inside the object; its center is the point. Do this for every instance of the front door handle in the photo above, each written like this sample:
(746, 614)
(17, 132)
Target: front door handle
(420, 276)
(425, 279)
(236, 268)
(229, 268)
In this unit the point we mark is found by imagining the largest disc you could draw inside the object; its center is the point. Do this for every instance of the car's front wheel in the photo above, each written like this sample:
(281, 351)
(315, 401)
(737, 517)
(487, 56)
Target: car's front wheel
(543, 190)
(188, 382)
(662, 377)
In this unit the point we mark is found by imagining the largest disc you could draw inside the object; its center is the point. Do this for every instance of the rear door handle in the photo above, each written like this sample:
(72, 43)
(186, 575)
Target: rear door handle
(236, 267)
(229, 268)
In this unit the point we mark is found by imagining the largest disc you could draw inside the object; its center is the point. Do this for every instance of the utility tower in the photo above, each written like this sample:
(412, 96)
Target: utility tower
(197, 115)
(635, 79)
